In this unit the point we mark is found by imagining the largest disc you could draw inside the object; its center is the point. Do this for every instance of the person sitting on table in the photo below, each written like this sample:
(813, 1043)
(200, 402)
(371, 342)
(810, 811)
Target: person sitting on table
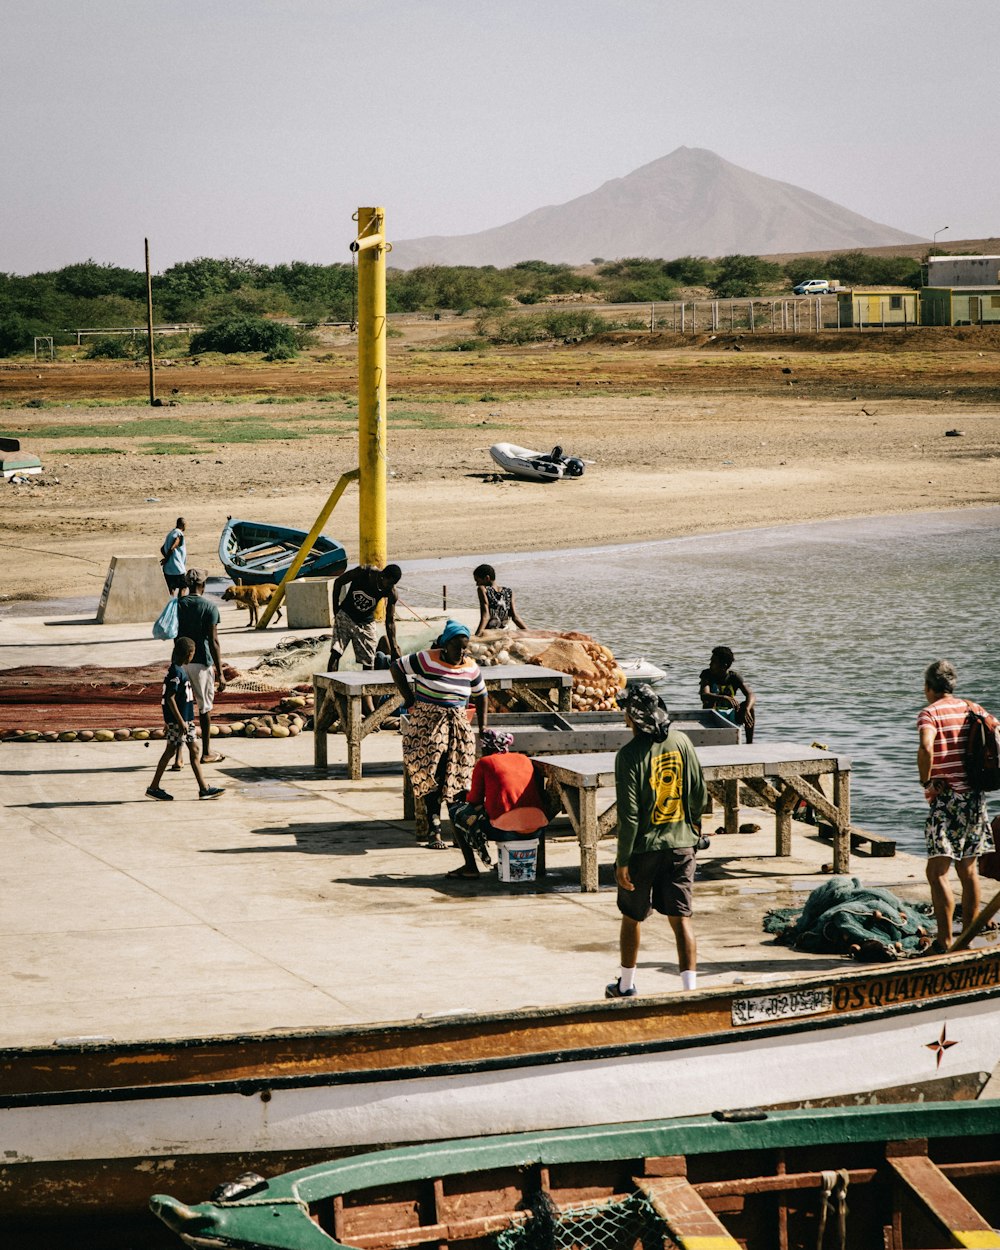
(720, 685)
(504, 802)
(439, 746)
(496, 603)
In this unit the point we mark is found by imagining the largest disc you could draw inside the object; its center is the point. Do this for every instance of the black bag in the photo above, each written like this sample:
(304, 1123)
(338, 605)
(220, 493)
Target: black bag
(982, 750)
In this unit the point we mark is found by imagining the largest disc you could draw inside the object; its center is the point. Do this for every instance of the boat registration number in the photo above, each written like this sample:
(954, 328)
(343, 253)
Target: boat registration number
(782, 1006)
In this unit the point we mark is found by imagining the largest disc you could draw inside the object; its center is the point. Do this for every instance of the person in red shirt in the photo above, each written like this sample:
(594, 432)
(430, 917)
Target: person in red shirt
(504, 802)
(957, 828)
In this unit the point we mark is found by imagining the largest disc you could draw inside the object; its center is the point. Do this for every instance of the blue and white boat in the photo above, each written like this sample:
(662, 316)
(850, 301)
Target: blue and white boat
(254, 553)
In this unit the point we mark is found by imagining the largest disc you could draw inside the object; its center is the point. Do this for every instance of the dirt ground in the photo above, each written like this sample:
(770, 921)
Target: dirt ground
(684, 439)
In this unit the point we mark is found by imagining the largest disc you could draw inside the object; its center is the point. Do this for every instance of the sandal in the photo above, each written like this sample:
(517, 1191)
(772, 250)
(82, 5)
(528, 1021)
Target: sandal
(212, 759)
(462, 874)
(436, 844)
(176, 768)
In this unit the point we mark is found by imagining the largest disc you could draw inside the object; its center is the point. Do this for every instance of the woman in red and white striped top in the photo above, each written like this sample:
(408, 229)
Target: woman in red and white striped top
(957, 827)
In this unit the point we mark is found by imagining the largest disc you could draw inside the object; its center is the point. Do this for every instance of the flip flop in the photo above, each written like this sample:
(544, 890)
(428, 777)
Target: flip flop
(212, 759)
(176, 768)
(436, 844)
(461, 874)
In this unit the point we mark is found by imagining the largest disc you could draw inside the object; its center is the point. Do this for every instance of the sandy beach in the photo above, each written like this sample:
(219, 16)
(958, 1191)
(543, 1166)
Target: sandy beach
(682, 442)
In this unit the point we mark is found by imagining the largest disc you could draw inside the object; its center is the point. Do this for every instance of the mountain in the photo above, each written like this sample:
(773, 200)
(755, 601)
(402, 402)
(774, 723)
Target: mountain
(690, 203)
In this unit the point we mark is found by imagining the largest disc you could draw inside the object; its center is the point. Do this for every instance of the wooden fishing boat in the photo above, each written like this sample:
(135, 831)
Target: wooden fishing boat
(87, 1126)
(254, 553)
(901, 1178)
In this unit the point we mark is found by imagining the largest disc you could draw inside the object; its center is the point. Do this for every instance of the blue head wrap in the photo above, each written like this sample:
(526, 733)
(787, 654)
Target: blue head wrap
(453, 629)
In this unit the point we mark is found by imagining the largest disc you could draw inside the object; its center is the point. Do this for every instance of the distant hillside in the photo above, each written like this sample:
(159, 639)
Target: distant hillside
(690, 203)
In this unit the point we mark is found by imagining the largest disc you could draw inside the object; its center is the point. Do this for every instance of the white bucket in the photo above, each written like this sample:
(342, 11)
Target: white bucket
(518, 859)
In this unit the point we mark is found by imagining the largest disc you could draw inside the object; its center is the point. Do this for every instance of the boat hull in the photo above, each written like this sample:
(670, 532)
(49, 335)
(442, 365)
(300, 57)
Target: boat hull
(255, 553)
(901, 1034)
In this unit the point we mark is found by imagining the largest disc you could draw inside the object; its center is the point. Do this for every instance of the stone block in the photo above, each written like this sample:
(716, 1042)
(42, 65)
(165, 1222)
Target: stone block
(309, 603)
(134, 590)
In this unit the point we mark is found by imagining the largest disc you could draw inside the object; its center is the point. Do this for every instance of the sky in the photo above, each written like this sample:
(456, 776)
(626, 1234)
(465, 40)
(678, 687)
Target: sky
(255, 128)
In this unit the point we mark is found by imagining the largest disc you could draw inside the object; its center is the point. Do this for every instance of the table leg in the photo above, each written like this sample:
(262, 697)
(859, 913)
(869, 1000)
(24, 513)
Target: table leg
(842, 837)
(565, 698)
(323, 709)
(408, 804)
(783, 808)
(588, 835)
(355, 718)
(732, 792)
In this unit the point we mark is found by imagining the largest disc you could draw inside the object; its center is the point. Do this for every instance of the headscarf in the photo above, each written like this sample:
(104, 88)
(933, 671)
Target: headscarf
(646, 710)
(496, 741)
(453, 629)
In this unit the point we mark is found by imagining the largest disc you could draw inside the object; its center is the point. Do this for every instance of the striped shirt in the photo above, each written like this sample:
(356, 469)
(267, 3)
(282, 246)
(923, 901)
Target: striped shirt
(947, 717)
(440, 683)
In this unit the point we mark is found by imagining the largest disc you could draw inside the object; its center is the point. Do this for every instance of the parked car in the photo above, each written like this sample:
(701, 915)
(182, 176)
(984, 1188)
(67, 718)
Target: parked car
(812, 286)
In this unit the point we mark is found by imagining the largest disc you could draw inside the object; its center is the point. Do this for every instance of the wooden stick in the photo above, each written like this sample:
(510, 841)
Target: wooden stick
(976, 924)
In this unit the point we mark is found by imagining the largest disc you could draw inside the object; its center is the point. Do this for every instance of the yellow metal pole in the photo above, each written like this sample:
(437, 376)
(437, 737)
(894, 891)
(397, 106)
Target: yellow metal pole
(275, 601)
(371, 249)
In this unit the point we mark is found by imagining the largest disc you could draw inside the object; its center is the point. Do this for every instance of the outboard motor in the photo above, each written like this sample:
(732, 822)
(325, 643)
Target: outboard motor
(573, 466)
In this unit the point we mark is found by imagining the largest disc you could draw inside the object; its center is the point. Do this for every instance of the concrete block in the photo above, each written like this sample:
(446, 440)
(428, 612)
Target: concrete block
(309, 603)
(134, 590)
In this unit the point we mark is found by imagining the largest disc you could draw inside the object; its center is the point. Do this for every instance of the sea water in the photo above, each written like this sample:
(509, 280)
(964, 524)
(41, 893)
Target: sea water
(832, 625)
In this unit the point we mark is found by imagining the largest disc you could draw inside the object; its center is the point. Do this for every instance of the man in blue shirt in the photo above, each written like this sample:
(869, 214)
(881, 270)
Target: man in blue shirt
(173, 558)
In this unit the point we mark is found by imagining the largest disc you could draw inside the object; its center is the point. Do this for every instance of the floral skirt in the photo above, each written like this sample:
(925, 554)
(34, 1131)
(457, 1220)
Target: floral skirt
(957, 824)
(439, 750)
(472, 826)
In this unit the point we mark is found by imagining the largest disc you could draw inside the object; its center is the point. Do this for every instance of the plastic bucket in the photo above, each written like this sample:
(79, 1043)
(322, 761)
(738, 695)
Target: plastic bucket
(518, 859)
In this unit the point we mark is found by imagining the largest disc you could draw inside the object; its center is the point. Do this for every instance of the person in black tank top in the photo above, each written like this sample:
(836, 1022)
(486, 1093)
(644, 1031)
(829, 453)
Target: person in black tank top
(496, 603)
(357, 593)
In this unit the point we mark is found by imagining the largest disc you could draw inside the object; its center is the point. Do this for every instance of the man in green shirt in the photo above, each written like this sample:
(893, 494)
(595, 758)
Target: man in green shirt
(661, 796)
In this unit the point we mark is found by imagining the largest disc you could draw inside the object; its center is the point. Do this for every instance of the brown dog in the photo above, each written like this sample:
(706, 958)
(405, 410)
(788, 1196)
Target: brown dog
(252, 598)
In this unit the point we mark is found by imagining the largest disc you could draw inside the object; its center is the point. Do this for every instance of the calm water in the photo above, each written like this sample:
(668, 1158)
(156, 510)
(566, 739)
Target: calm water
(832, 625)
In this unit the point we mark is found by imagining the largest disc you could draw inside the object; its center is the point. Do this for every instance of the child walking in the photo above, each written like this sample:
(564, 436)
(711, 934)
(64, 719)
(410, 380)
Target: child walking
(178, 717)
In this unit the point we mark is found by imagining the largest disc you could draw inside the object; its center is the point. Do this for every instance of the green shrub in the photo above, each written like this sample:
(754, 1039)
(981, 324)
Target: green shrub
(114, 347)
(16, 335)
(247, 334)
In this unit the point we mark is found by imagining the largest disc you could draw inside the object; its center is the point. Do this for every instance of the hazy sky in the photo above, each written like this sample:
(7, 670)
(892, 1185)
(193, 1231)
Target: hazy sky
(255, 128)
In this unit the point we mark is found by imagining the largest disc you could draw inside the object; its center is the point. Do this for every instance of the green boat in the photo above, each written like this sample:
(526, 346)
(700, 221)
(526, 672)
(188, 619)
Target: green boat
(896, 1178)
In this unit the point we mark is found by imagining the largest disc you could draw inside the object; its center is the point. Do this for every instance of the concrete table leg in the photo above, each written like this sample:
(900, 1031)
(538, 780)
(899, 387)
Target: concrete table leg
(588, 835)
(354, 725)
(732, 791)
(565, 698)
(783, 809)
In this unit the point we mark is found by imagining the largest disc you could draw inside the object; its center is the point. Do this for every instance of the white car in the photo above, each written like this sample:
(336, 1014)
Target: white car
(812, 286)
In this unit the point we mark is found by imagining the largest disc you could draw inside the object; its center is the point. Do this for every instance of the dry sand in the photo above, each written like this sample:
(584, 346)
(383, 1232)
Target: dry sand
(682, 443)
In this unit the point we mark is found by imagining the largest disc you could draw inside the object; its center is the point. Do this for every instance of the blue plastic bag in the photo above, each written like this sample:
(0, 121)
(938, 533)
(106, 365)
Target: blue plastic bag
(165, 625)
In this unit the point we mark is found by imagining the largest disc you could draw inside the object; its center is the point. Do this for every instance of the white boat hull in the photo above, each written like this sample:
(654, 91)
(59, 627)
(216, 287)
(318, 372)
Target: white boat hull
(958, 1044)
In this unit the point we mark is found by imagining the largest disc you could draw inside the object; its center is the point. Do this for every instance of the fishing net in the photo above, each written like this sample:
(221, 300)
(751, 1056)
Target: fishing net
(843, 917)
(627, 1224)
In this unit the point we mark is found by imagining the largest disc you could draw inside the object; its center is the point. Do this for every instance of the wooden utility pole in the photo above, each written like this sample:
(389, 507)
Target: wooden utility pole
(149, 331)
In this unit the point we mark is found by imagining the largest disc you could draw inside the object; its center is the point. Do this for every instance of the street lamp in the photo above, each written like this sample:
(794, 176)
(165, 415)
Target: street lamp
(937, 232)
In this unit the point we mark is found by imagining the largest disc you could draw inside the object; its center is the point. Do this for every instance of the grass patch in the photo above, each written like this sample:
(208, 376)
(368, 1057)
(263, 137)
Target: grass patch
(156, 427)
(286, 399)
(169, 449)
(425, 421)
(89, 451)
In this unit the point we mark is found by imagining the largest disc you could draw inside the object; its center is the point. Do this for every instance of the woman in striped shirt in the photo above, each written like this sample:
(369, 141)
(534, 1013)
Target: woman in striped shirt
(439, 747)
(957, 828)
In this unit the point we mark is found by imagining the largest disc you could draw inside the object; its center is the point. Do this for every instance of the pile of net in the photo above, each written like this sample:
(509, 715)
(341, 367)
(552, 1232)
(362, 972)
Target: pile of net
(843, 917)
(597, 679)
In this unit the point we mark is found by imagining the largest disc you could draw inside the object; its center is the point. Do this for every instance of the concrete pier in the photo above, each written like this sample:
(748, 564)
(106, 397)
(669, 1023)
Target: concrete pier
(298, 900)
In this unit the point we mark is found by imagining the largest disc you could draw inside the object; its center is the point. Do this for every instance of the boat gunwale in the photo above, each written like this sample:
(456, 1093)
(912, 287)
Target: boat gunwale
(251, 1085)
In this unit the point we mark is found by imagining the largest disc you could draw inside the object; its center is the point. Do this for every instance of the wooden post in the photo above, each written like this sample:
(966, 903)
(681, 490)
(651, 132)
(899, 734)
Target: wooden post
(149, 330)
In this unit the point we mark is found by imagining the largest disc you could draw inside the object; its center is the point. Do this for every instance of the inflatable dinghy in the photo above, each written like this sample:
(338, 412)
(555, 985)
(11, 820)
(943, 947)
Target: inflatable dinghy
(536, 466)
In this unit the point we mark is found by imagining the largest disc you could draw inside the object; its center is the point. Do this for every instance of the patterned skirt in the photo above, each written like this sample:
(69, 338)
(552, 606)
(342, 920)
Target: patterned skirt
(439, 750)
(957, 824)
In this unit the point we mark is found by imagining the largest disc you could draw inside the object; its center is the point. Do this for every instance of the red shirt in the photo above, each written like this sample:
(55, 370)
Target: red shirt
(506, 787)
(947, 718)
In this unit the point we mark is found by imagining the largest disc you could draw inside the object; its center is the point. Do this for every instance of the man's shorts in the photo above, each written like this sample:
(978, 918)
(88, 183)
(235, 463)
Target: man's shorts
(662, 880)
(175, 581)
(202, 679)
(362, 637)
(957, 825)
(178, 734)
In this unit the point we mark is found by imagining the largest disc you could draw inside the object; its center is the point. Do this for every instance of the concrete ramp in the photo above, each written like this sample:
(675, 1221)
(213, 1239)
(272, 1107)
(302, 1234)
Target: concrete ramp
(134, 590)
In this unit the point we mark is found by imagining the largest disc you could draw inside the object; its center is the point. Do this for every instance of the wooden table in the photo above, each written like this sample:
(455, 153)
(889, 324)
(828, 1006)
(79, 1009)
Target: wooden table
(780, 772)
(339, 702)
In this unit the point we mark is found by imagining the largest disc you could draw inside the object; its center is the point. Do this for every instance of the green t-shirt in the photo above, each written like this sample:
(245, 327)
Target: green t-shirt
(661, 794)
(195, 618)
